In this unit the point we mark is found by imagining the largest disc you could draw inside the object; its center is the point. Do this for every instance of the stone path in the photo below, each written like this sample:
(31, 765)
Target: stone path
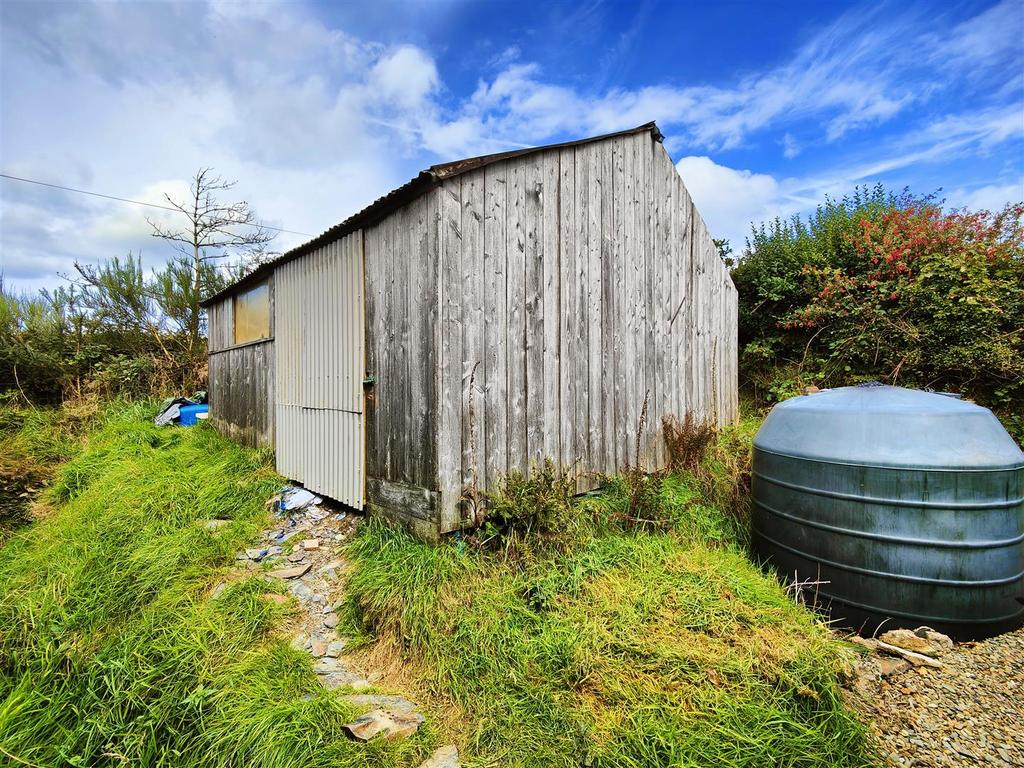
(968, 712)
(305, 551)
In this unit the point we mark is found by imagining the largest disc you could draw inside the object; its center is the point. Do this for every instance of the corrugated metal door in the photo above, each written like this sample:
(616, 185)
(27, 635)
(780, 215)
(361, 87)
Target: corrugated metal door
(319, 370)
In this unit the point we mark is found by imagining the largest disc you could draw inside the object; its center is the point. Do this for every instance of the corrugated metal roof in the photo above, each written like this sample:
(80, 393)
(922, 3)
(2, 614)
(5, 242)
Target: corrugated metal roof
(404, 194)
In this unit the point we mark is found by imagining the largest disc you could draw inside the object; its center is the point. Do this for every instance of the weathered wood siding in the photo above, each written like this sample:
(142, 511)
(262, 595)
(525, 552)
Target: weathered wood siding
(574, 283)
(240, 379)
(402, 359)
(519, 311)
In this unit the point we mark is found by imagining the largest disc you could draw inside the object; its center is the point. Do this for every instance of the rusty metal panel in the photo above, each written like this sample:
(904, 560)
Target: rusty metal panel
(319, 372)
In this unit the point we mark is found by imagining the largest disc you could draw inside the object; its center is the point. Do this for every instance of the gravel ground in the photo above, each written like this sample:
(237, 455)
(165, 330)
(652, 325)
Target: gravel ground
(969, 713)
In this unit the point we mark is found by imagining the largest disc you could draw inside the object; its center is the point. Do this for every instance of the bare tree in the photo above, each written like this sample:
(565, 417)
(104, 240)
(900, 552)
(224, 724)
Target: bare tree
(215, 230)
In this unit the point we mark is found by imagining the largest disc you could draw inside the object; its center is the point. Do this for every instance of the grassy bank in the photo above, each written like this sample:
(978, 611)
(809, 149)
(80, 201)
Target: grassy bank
(614, 645)
(112, 652)
(599, 641)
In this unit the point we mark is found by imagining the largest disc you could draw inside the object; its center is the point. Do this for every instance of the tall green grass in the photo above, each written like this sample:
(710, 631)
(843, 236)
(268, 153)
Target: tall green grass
(627, 648)
(112, 651)
(612, 645)
(33, 443)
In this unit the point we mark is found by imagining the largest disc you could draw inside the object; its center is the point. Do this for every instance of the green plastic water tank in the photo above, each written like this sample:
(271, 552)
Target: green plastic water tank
(905, 507)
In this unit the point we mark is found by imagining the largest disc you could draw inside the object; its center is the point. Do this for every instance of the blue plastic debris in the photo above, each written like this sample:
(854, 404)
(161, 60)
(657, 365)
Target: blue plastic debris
(188, 415)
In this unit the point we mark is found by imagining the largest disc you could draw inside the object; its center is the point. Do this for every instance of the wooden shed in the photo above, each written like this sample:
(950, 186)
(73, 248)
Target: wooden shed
(488, 314)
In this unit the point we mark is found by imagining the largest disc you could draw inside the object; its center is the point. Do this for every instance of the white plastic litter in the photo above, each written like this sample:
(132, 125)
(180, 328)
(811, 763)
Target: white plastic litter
(297, 498)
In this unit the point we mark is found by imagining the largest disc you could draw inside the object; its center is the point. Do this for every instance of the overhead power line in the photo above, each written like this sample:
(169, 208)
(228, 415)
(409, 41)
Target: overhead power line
(133, 202)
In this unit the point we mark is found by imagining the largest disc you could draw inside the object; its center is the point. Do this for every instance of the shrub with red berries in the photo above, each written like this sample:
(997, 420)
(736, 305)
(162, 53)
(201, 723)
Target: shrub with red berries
(892, 288)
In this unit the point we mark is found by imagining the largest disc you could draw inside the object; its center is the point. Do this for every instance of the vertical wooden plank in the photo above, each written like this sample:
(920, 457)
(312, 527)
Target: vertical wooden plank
(568, 382)
(515, 302)
(533, 224)
(701, 296)
(552, 415)
(449, 402)
(370, 264)
(608, 308)
(473, 321)
(691, 338)
(595, 417)
(734, 336)
(651, 438)
(640, 272)
(631, 342)
(662, 286)
(580, 348)
(674, 371)
(432, 391)
(621, 337)
(374, 310)
(674, 310)
(424, 431)
(719, 334)
(404, 233)
(640, 380)
(413, 267)
(387, 332)
(495, 325)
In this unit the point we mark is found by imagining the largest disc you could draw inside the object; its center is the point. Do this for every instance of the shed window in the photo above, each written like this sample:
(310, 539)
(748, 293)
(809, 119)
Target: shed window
(252, 314)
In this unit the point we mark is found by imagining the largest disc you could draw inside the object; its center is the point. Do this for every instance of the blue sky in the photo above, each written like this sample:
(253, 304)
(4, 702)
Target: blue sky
(317, 109)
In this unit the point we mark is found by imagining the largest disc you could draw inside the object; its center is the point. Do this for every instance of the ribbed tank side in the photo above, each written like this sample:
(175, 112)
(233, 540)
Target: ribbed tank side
(942, 548)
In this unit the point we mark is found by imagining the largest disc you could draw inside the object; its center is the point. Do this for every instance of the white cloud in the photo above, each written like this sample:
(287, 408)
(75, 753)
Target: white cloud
(983, 40)
(790, 147)
(316, 122)
(730, 199)
(867, 68)
(405, 78)
(148, 94)
(123, 222)
(843, 75)
(991, 197)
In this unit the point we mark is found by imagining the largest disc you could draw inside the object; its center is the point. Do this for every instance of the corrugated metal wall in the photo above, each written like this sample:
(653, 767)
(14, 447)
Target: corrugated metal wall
(319, 370)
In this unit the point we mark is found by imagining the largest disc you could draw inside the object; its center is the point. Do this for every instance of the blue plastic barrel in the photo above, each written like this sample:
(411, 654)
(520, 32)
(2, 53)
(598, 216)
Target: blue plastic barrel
(188, 415)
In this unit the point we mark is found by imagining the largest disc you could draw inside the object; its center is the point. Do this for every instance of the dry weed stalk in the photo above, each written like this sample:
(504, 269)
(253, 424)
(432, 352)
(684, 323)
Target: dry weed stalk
(642, 485)
(796, 589)
(687, 442)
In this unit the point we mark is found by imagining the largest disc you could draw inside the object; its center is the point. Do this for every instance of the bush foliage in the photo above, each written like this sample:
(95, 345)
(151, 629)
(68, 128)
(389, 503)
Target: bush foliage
(114, 330)
(890, 287)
